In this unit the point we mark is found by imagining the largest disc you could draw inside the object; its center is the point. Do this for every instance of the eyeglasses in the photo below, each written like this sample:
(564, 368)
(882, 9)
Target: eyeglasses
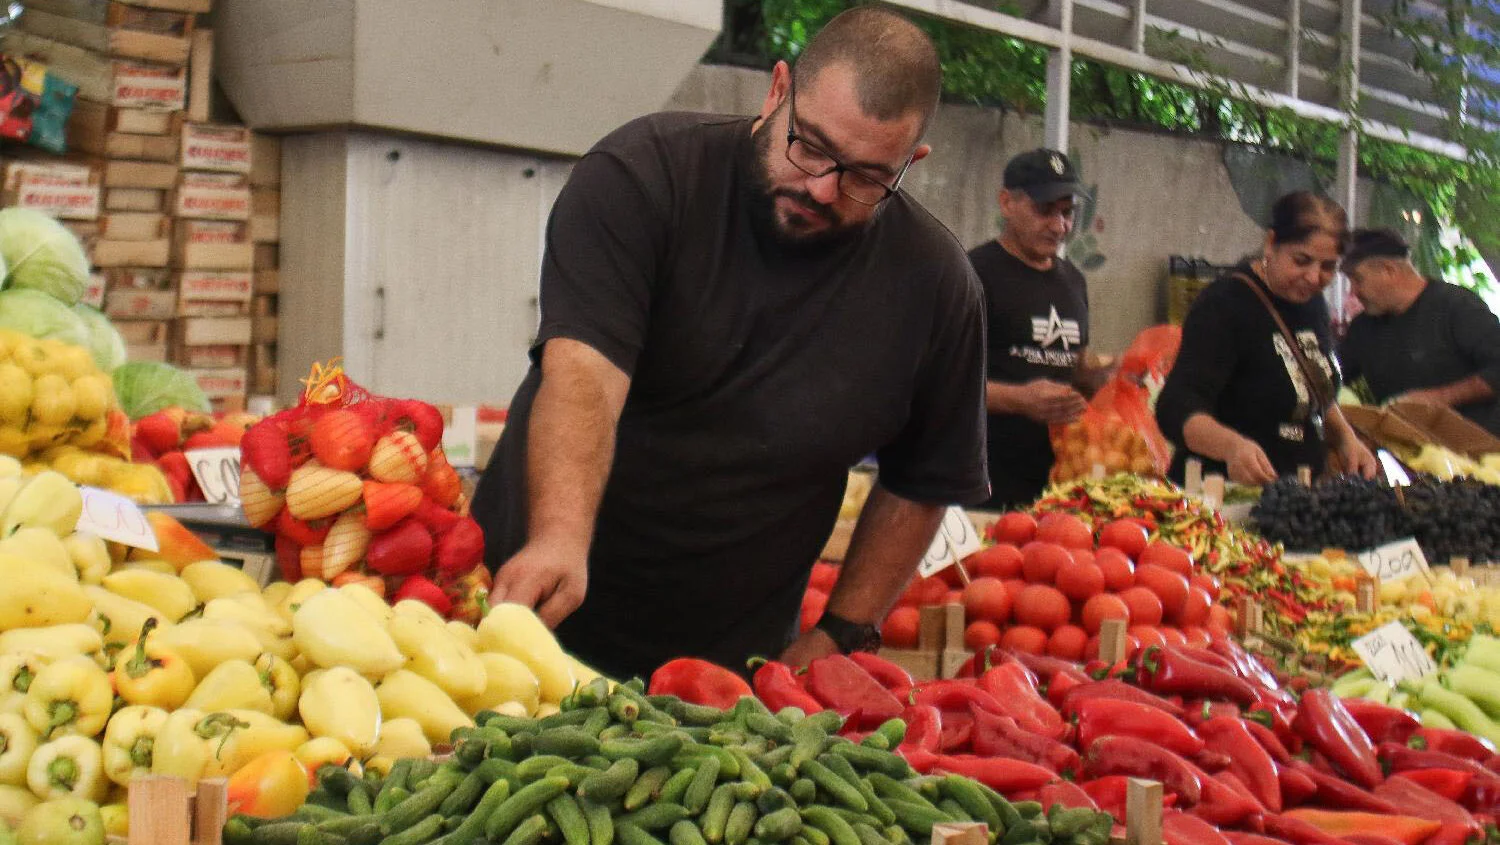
(814, 161)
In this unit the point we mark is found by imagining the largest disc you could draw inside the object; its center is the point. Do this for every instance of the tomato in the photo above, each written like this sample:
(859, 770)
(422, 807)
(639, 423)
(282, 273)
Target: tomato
(1194, 608)
(1168, 557)
(1219, 620)
(1173, 636)
(1207, 583)
(1016, 528)
(1025, 638)
(912, 595)
(1197, 637)
(987, 598)
(981, 634)
(1041, 560)
(1067, 642)
(1169, 586)
(1101, 607)
(1125, 535)
(1144, 605)
(1119, 572)
(271, 785)
(814, 602)
(1080, 580)
(1083, 555)
(1146, 635)
(823, 577)
(1001, 560)
(1043, 607)
(1014, 586)
(900, 628)
(1065, 530)
(934, 591)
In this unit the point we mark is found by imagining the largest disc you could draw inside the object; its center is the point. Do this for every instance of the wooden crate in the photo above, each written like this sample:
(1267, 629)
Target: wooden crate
(104, 79)
(139, 294)
(63, 190)
(214, 293)
(110, 254)
(112, 28)
(215, 148)
(121, 145)
(267, 257)
(134, 226)
(212, 196)
(265, 215)
(263, 369)
(211, 357)
(263, 329)
(146, 175)
(212, 245)
(213, 331)
(221, 383)
(267, 281)
(135, 199)
(145, 340)
(201, 76)
(99, 119)
(265, 161)
(163, 811)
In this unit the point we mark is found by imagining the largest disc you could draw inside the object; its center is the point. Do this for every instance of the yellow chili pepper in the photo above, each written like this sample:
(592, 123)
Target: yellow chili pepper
(68, 767)
(506, 679)
(130, 741)
(167, 593)
(435, 654)
(153, 674)
(232, 685)
(340, 703)
(71, 696)
(405, 694)
(400, 738)
(48, 500)
(205, 643)
(118, 619)
(285, 686)
(52, 643)
(17, 671)
(254, 734)
(185, 742)
(210, 579)
(516, 630)
(333, 630)
(41, 547)
(17, 743)
(90, 556)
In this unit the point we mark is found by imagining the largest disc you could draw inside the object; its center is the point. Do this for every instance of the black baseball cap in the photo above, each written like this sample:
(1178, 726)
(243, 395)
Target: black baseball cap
(1045, 175)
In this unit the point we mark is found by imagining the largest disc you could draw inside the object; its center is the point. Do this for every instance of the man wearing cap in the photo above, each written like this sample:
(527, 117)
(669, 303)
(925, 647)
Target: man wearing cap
(1038, 309)
(1419, 339)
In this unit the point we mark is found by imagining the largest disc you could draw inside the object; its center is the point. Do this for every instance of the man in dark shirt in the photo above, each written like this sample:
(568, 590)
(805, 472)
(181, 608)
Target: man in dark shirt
(1419, 339)
(1038, 310)
(734, 312)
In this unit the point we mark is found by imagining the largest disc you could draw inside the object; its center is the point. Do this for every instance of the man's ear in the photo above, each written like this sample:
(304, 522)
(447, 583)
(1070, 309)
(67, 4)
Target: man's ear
(921, 152)
(781, 86)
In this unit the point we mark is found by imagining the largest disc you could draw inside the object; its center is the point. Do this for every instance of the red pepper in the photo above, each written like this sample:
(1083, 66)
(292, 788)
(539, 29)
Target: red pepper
(884, 671)
(1380, 722)
(699, 682)
(1168, 670)
(1296, 787)
(1249, 668)
(1248, 761)
(1451, 833)
(1297, 832)
(460, 548)
(1483, 793)
(1461, 743)
(423, 589)
(1417, 800)
(920, 760)
(978, 663)
(957, 734)
(1047, 667)
(300, 532)
(1109, 794)
(1231, 780)
(924, 728)
(1124, 755)
(840, 684)
(1269, 741)
(1203, 655)
(953, 696)
(266, 450)
(1062, 683)
(1338, 794)
(1014, 688)
(424, 421)
(777, 688)
(405, 549)
(1239, 837)
(1370, 839)
(1276, 709)
(1004, 776)
(1117, 690)
(1179, 828)
(1449, 783)
(1202, 710)
(288, 559)
(1325, 723)
(1001, 736)
(1066, 793)
(436, 517)
(1224, 805)
(1102, 717)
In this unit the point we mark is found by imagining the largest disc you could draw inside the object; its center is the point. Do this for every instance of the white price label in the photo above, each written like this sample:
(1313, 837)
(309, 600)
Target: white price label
(1395, 561)
(1393, 655)
(217, 472)
(956, 539)
(116, 518)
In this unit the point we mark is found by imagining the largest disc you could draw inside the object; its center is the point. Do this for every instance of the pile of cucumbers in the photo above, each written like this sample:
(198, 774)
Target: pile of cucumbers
(617, 766)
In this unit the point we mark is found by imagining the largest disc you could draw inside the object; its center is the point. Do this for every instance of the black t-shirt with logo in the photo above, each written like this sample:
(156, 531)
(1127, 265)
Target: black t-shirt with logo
(1235, 365)
(1039, 326)
(758, 377)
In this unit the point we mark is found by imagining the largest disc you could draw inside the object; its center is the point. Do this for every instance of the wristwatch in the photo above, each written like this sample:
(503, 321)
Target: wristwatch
(849, 636)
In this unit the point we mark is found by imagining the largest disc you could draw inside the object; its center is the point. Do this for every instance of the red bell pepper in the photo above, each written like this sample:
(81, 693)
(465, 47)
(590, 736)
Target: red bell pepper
(1120, 691)
(699, 682)
(1269, 741)
(1461, 743)
(1043, 666)
(1338, 794)
(1417, 800)
(405, 549)
(1062, 683)
(1179, 828)
(1325, 723)
(461, 547)
(1483, 793)
(1014, 688)
(1231, 780)
(1239, 837)
(1200, 710)
(1296, 787)
(1297, 831)
(1222, 804)
(1103, 717)
(957, 733)
(1004, 776)
(1066, 793)
(1380, 722)
(924, 728)
(888, 674)
(1001, 736)
(1276, 709)
(1249, 668)
(842, 685)
(1405, 829)
(777, 688)
(1169, 670)
(953, 696)
(266, 449)
(1449, 783)
(436, 517)
(1248, 761)
(1124, 755)
(424, 590)
(1109, 794)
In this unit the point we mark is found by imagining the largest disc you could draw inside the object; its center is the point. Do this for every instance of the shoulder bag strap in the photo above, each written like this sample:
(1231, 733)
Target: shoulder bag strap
(1319, 386)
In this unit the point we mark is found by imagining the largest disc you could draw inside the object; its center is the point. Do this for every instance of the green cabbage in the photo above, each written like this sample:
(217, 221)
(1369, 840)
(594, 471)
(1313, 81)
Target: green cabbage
(42, 255)
(145, 387)
(104, 341)
(41, 316)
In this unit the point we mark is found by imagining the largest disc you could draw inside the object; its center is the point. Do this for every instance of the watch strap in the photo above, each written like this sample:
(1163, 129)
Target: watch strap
(849, 636)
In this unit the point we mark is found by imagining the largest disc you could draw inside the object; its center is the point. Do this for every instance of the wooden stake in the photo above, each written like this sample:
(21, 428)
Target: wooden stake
(963, 574)
(210, 811)
(1460, 566)
(932, 628)
(1304, 476)
(1213, 491)
(960, 833)
(158, 807)
(1193, 476)
(1112, 641)
(1248, 620)
(1367, 595)
(1143, 807)
(1097, 472)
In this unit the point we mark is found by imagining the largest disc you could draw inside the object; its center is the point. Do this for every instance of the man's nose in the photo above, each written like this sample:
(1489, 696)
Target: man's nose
(825, 188)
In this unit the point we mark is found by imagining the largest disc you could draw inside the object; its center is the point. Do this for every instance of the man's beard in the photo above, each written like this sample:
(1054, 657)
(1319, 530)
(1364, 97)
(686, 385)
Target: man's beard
(763, 204)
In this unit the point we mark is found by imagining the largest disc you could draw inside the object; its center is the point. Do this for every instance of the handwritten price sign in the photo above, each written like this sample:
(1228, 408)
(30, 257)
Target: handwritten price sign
(956, 539)
(218, 474)
(1395, 561)
(114, 517)
(1393, 655)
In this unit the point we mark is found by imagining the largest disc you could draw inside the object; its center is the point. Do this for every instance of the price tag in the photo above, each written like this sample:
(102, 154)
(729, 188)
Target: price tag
(461, 436)
(956, 539)
(1393, 655)
(218, 474)
(116, 518)
(1395, 561)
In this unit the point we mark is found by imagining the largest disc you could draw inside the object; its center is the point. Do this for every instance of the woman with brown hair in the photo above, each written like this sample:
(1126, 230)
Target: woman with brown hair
(1252, 394)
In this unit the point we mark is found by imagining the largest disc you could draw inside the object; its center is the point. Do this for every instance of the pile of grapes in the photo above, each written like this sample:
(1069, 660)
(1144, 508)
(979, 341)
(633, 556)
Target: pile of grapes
(1459, 518)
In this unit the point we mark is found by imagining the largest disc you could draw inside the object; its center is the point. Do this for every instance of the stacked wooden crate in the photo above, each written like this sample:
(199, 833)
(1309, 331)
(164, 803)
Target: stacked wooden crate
(265, 232)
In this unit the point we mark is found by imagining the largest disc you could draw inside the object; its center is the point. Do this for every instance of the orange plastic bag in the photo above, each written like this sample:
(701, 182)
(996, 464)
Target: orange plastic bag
(1118, 431)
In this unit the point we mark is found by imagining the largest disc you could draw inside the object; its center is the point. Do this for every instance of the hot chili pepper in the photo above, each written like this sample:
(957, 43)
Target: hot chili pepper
(957, 733)
(1014, 689)
(1269, 741)
(1109, 794)
(1449, 783)
(1380, 722)
(1209, 761)
(1417, 800)
(953, 696)
(1002, 775)
(1001, 736)
(1179, 828)
(699, 682)
(1339, 794)
(924, 728)
(1461, 743)
(887, 673)
(777, 687)
(1248, 761)
(1066, 793)
(1224, 805)
(842, 685)
(1249, 668)
(921, 760)
(1296, 787)
(1119, 691)
(1297, 831)
(1103, 717)
(1231, 780)
(1168, 670)
(1124, 755)
(1402, 828)
(1325, 723)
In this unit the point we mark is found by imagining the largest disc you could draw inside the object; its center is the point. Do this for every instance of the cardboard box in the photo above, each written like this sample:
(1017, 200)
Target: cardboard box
(135, 199)
(263, 369)
(65, 191)
(264, 329)
(221, 383)
(210, 147)
(103, 79)
(265, 161)
(1446, 427)
(90, 118)
(86, 231)
(144, 340)
(212, 357)
(107, 253)
(197, 7)
(267, 281)
(152, 175)
(134, 226)
(212, 245)
(212, 196)
(212, 293)
(131, 304)
(201, 76)
(115, 29)
(93, 295)
(211, 331)
(265, 215)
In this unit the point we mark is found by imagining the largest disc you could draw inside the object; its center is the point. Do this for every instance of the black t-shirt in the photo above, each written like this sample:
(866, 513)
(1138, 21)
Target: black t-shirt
(759, 376)
(1234, 364)
(1447, 335)
(1039, 326)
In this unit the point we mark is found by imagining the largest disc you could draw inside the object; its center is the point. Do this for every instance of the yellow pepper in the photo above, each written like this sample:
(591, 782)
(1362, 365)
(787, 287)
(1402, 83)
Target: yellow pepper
(323, 751)
(17, 744)
(405, 694)
(153, 673)
(90, 556)
(71, 696)
(15, 803)
(368, 599)
(185, 742)
(116, 818)
(232, 685)
(437, 655)
(35, 596)
(129, 742)
(205, 643)
(210, 579)
(333, 630)
(418, 609)
(506, 679)
(167, 593)
(48, 500)
(41, 547)
(465, 634)
(283, 682)
(341, 704)
(117, 618)
(401, 738)
(271, 785)
(269, 630)
(17, 671)
(380, 764)
(68, 767)
(255, 734)
(296, 595)
(52, 643)
(515, 630)
(274, 594)
(345, 544)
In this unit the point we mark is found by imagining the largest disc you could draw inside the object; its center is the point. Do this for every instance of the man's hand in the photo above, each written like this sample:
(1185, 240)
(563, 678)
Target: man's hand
(1051, 403)
(551, 579)
(1357, 459)
(1248, 464)
(809, 647)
